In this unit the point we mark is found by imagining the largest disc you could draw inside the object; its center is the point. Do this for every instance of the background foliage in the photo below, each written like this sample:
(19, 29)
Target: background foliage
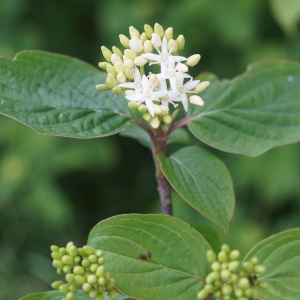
(55, 189)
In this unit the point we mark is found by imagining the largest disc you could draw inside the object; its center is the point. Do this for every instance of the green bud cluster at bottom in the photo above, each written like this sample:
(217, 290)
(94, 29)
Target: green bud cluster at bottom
(230, 279)
(82, 267)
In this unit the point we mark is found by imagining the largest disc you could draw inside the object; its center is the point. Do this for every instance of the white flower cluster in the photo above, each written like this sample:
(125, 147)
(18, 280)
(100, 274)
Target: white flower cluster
(152, 94)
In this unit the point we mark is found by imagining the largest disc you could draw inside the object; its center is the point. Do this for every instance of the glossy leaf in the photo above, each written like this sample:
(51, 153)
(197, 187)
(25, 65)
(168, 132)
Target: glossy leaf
(280, 254)
(56, 94)
(203, 181)
(252, 112)
(56, 295)
(152, 256)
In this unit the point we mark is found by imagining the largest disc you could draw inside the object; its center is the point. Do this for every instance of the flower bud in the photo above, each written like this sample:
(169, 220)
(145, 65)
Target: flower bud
(101, 261)
(56, 255)
(124, 40)
(180, 42)
(117, 90)
(164, 109)
(234, 254)
(79, 279)
(147, 117)
(197, 101)
(142, 108)
(227, 289)
(73, 251)
(112, 295)
(128, 63)
(70, 278)
(169, 33)
(111, 70)
(222, 256)
(211, 256)
(94, 267)
(248, 292)
(78, 270)
(259, 269)
(62, 251)
(247, 266)
(99, 297)
(167, 119)
(67, 269)
(216, 266)
(234, 278)
(136, 45)
(92, 258)
(254, 261)
(130, 54)
(92, 279)
(172, 46)
(129, 74)
(202, 294)
(107, 275)
(143, 37)
(133, 105)
(140, 61)
(239, 293)
(148, 30)
(80, 250)
(103, 65)
(117, 51)
(148, 47)
(102, 87)
(64, 288)
(100, 270)
(67, 259)
(244, 283)
(155, 122)
(225, 248)
(111, 81)
(158, 29)
(73, 288)
(60, 271)
(234, 265)
(153, 80)
(119, 67)
(200, 88)
(56, 284)
(87, 287)
(224, 266)
(225, 274)
(209, 288)
(101, 281)
(54, 248)
(182, 68)
(218, 294)
(58, 264)
(121, 78)
(129, 92)
(134, 32)
(69, 245)
(106, 53)
(193, 60)
(115, 58)
(156, 40)
(263, 285)
(70, 296)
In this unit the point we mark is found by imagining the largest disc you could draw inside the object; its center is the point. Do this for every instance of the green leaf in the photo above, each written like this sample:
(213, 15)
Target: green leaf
(212, 236)
(152, 256)
(56, 94)
(56, 295)
(252, 112)
(180, 135)
(203, 181)
(280, 254)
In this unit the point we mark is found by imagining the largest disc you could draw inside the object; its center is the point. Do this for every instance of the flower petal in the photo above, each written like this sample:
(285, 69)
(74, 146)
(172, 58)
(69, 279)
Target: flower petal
(185, 101)
(145, 84)
(135, 97)
(159, 94)
(178, 58)
(137, 75)
(179, 79)
(191, 84)
(165, 103)
(128, 85)
(152, 56)
(164, 46)
(150, 107)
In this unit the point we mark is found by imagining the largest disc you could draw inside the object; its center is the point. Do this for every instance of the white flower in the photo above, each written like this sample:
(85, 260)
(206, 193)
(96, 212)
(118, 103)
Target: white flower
(163, 57)
(147, 95)
(136, 84)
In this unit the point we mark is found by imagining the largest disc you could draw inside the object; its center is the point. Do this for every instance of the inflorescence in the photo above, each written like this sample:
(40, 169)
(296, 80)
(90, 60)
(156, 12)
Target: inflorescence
(82, 266)
(230, 279)
(151, 95)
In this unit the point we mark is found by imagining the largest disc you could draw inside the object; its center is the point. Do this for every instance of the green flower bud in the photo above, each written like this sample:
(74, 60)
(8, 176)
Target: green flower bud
(247, 266)
(167, 119)
(92, 279)
(254, 261)
(209, 288)
(133, 106)
(142, 108)
(164, 110)
(107, 275)
(117, 51)
(134, 32)
(111, 81)
(99, 297)
(211, 256)
(226, 297)
(222, 256)
(172, 46)
(130, 54)
(202, 295)
(101, 289)
(124, 40)
(119, 67)
(67, 269)
(225, 274)
(112, 295)
(79, 279)
(56, 255)
(234, 278)
(87, 287)
(82, 252)
(227, 289)
(101, 261)
(217, 294)
(248, 292)
(69, 245)
(92, 258)
(243, 298)
(259, 269)
(103, 65)
(77, 259)
(239, 293)
(128, 63)
(234, 265)
(70, 296)
(169, 33)
(148, 30)
(224, 266)
(102, 87)
(56, 284)
(244, 283)
(140, 61)
(64, 288)
(242, 273)
(143, 37)
(110, 284)
(200, 88)
(110, 69)
(157, 109)
(60, 271)
(147, 117)
(85, 263)
(180, 42)
(58, 264)
(155, 122)
(225, 248)
(101, 281)
(115, 58)
(70, 278)
(99, 253)
(78, 270)
(158, 29)
(117, 90)
(62, 251)
(73, 288)
(94, 267)
(106, 53)
(67, 259)
(129, 74)
(193, 60)
(263, 285)
(254, 292)
(93, 293)
(148, 47)
(54, 248)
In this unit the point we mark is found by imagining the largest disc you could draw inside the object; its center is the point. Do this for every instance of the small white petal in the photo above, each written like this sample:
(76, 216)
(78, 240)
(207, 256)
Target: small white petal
(137, 75)
(164, 46)
(145, 83)
(127, 85)
(173, 83)
(191, 84)
(179, 79)
(165, 103)
(179, 58)
(150, 106)
(152, 56)
(135, 97)
(159, 94)
(185, 101)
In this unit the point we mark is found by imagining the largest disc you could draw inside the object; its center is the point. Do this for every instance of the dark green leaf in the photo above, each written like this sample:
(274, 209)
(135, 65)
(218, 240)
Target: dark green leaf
(56, 94)
(180, 135)
(203, 181)
(280, 254)
(140, 135)
(153, 256)
(252, 112)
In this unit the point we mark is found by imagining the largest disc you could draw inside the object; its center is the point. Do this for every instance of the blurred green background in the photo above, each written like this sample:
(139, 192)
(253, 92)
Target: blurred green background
(53, 189)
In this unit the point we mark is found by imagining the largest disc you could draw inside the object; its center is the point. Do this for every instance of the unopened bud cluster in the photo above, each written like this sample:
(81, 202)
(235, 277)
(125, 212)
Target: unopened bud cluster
(82, 267)
(152, 94)
(230, 279)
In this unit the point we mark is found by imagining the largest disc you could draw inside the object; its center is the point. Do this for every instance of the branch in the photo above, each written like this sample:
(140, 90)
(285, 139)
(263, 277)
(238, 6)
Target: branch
(178, 124)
